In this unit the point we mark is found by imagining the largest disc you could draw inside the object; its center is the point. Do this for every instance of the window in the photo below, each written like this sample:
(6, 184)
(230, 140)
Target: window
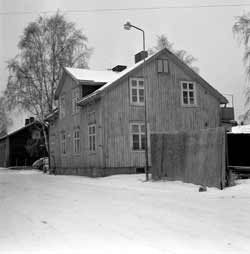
(76, 141)
(138, 136)
(75, 98)
(162, 65)
(62, 107)
(188, 93)
(63, 142)
(137, 91)
(92, 137)
(91, 117)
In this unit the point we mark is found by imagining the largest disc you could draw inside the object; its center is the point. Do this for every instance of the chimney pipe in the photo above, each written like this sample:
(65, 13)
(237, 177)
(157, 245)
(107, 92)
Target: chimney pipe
(27, 121)
(140, 56)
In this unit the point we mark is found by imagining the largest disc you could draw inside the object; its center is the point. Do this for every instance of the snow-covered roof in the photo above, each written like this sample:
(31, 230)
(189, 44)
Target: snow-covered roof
(19, 129)
(241, 129)
(109, 77)
(91, 75)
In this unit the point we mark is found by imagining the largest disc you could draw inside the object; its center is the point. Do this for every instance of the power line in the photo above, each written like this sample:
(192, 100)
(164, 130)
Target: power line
(128, 9)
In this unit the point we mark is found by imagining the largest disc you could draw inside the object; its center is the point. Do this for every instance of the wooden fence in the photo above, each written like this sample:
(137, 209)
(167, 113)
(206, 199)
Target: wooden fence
(195, 156)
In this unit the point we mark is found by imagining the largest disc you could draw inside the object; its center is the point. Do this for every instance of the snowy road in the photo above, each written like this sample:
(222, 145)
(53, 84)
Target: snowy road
(120, 214)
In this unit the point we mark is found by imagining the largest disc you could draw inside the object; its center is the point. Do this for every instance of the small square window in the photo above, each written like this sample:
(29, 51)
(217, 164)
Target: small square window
(135, 128)
(162, 66)
(134, 83)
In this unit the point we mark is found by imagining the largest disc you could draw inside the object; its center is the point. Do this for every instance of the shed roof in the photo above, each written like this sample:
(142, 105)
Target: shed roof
(19, 129)
(241, 129)
(86, 76)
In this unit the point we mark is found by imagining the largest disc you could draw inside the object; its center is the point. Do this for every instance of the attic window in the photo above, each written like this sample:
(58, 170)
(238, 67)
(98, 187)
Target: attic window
(162, 66)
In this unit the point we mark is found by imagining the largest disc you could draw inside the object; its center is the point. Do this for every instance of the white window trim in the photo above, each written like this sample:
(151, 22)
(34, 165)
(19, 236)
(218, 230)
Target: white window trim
(140, 133)
(62, 108)
(138, 103)
(195, 94)
(90, 136)
(74, 142)
(75, 98)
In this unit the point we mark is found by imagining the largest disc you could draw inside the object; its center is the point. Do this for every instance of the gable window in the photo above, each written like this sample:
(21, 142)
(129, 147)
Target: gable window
(63, 143)
(92, 137)
(76, 141)
(162, 66)
(62, 107)
(188, 93)
(137, 91)
(75, 98)
(138, 140)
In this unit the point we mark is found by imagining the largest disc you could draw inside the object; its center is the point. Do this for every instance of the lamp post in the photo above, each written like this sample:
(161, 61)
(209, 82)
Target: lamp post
(128, 26)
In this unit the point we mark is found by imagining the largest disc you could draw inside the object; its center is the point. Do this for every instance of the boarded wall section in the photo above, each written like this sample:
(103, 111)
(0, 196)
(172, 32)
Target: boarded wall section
(194, 157)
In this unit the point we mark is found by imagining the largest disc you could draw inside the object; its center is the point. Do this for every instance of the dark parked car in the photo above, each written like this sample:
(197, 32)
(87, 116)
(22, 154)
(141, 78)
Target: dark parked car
(42, 164)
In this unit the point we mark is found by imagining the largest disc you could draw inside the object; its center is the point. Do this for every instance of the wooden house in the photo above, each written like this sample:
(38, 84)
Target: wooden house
(99, 127)
(23, 146)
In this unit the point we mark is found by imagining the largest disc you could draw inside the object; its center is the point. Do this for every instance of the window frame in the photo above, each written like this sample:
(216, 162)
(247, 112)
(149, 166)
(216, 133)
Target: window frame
(160, 63)
(62, 108)
(76, 141)
(92, 138)
(188, 90)
(138, 88)
(63, 143)
(75, 97)
(140, 133)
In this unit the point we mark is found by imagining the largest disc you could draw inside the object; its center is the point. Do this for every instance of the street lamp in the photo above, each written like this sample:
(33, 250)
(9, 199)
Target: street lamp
(128, 26)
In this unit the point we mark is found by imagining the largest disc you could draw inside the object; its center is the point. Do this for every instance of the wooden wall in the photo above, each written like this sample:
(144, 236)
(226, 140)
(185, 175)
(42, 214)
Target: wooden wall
(114, 114)
(165, 112)
(191, 156)
(70, 160)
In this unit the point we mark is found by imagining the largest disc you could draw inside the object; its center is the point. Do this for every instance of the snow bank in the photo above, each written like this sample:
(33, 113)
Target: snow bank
(120, 214)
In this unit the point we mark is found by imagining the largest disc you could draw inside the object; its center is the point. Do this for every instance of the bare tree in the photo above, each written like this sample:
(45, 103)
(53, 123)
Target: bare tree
(47, 45)
(241, 30)
(163, 42)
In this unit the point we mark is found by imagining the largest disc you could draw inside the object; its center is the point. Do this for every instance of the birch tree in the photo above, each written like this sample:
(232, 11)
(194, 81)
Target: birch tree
(5, 120)
(47, 45)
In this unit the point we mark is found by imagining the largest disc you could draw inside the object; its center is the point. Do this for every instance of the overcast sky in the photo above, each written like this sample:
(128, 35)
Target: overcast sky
(206, 33)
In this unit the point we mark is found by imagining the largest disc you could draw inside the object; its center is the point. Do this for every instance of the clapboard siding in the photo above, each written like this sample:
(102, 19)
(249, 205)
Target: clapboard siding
(114, 114)
(165, 112)
(85, 159)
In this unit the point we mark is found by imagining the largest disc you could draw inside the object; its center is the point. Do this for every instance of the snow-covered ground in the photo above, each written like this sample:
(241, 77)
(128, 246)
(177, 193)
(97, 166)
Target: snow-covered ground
(42, 213)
